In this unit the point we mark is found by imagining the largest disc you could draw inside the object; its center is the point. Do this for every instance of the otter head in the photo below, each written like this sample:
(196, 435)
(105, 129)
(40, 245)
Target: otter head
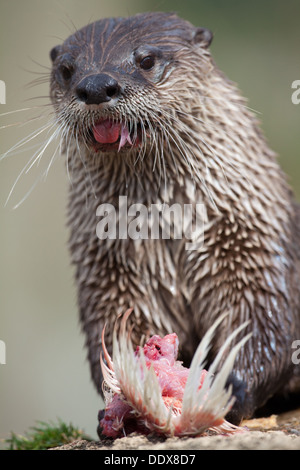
(111, 82)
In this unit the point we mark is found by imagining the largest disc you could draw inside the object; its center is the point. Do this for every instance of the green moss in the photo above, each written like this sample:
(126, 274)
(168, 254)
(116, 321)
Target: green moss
(45, 435)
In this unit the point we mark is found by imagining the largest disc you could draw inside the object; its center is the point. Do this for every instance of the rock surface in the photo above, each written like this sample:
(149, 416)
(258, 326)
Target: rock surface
(273, 433)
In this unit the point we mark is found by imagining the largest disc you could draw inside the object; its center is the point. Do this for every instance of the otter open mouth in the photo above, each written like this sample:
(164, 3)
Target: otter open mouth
(110, 135)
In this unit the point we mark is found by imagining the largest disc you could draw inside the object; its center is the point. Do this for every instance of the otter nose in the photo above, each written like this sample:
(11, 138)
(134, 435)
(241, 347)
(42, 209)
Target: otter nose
(96, 89)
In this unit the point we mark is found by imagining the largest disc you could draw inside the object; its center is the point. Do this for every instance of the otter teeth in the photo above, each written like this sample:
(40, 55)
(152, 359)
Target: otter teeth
(125, 137)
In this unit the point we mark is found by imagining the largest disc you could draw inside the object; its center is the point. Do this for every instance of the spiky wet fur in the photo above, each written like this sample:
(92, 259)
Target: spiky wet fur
(201, 143)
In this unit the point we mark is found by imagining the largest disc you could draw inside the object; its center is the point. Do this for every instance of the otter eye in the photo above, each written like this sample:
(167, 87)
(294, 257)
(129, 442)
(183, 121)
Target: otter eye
(147, 62)
(66, 72)
(66, 68)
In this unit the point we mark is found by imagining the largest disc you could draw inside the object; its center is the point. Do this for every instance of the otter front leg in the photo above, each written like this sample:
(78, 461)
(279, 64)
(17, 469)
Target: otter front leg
(248, 275)
(108, 285)
(101, 300)
(263, 366)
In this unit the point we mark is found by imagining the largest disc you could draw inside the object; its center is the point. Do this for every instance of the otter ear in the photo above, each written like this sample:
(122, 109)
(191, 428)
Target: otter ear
(54, 52)
(203, 36)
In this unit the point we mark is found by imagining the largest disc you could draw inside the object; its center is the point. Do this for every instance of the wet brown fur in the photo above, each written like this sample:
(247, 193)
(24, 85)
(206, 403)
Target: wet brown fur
(205, 146)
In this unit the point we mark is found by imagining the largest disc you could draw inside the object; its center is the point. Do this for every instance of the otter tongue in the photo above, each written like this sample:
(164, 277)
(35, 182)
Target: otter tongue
(107, 132)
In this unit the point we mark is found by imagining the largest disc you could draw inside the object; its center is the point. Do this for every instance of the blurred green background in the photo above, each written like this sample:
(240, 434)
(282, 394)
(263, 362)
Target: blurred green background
(257, 44)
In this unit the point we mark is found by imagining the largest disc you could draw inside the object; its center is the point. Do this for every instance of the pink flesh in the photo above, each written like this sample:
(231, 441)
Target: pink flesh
(161, 355)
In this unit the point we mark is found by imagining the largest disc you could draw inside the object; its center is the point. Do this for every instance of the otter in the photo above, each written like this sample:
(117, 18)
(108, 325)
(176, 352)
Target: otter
(145, 113)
